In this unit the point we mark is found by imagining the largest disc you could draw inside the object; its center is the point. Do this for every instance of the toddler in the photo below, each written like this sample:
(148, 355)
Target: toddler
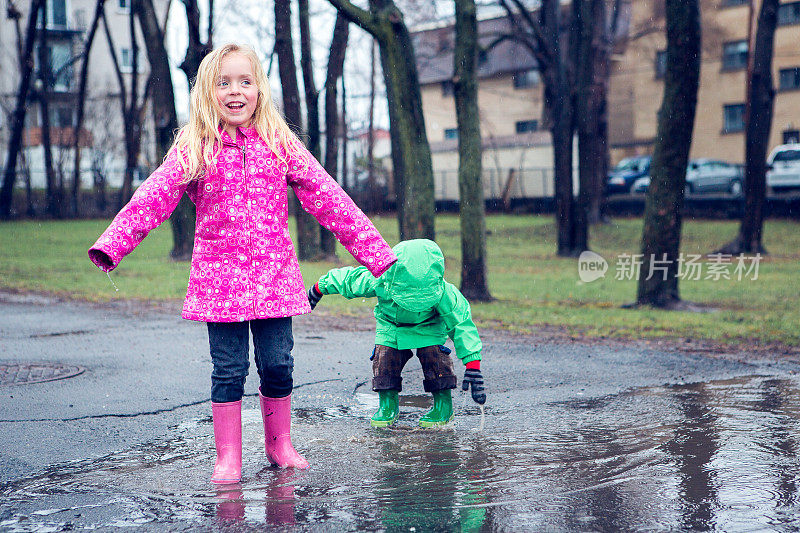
(417, 309)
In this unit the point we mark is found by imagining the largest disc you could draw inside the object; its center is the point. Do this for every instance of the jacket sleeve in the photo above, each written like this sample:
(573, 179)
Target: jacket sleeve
(151, 204)
(350, 282)
(320, 195)
(455, 312)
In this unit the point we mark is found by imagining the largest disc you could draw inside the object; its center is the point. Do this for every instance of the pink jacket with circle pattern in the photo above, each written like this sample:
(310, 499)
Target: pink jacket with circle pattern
(244, 266)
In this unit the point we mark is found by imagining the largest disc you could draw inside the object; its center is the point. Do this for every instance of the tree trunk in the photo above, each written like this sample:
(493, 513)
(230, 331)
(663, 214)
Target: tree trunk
(53, 199)
(166, 121)
(560, 100)
(592, 74)
(18, 121)
(197, 49)
(590, 77)
(371, 130)
(327, 241)
(130, 114)
(542, 36)
(308, 246)
(78, 124)
(658, 279)
(758, 115)
(336, 55)
(411, 154)
(470, 187)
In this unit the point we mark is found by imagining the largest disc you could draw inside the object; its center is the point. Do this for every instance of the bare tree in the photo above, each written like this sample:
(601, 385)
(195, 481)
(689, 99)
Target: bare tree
(758, 123)
(335, 69)
(661, 235)
(79, 113)
(308, 245)
(471, 204)
(540, 32)
(18, 122)
(411, 154)
(165, 118)
(52, 192)
(131, 109)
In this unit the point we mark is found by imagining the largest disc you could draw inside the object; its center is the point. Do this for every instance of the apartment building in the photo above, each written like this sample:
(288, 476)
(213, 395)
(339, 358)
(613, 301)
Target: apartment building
(511, 100)
(102, 134)
(637, 82)
(511, 94)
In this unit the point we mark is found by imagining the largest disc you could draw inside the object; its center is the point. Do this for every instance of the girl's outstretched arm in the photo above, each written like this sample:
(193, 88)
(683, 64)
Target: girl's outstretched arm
(320, 195)
(151, 204)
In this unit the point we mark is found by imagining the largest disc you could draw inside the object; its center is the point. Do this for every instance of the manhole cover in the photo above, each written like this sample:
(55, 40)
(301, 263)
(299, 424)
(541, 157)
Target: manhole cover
(20, 373)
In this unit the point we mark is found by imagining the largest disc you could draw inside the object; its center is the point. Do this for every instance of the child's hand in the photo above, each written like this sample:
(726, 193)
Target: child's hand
(314, 296)
(473, 378)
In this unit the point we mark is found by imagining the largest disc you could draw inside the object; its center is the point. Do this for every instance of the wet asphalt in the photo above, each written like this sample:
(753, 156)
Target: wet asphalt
(574, 437)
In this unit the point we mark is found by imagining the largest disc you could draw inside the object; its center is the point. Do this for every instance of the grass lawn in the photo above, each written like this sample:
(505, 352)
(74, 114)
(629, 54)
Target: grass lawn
(533, 287)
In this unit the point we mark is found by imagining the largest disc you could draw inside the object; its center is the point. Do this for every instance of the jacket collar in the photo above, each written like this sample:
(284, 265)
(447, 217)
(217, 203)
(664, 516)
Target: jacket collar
(247, 131)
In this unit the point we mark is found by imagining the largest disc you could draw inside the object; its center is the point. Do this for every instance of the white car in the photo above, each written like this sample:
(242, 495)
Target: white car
(784, 167)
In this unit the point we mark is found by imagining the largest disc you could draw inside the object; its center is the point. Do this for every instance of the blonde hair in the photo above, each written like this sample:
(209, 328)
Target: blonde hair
(198, 142)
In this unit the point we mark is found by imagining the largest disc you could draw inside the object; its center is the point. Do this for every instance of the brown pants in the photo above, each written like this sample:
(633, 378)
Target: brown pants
(437, 368)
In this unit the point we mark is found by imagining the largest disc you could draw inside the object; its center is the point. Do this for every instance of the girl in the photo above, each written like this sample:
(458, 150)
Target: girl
(234, 159)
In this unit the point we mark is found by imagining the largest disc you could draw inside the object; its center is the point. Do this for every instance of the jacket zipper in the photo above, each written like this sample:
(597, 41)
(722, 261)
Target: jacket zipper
(248, 208)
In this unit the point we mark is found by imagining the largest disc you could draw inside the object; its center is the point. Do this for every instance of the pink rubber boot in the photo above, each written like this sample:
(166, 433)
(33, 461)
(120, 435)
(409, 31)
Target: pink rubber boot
(228, 441)
(277, 415)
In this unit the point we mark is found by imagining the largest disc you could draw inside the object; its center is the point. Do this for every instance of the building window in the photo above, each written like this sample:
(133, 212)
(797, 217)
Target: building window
(791, 136)
(483, 56)
(527, 78)
(451, 133)
(61, 117)
(661, 64)
(126, 60)
(447, 88)
(525, 126)
(734, 55)
(56, 14)
(733, 118)
(732, 3)
(789, 79)
(61, 66)
(789, 14)
(123, 6)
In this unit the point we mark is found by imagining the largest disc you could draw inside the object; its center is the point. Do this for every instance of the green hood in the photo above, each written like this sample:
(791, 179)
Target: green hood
(416, 281)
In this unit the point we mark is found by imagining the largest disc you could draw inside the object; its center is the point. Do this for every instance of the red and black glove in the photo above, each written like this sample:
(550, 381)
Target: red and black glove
(474, 379)
(314, 295)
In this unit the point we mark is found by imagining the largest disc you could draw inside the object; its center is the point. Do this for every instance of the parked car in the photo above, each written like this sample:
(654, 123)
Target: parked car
(706, 176)
(622, 177)
(784, 167)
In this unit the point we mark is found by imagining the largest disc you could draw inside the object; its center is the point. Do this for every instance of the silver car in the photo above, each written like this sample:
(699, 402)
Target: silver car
(706, 176)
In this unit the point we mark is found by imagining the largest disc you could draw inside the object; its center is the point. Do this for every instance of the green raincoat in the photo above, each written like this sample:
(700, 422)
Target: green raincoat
(416, 306)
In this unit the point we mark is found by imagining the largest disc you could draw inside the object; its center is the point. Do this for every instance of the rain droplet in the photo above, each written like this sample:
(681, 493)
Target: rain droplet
(116, 289)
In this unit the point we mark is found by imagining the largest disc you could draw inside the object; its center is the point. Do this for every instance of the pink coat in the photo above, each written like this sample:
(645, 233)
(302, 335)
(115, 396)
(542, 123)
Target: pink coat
(244, 265)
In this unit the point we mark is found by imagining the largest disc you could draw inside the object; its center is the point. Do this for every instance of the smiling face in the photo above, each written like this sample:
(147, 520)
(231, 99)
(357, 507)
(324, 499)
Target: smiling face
(236, 91)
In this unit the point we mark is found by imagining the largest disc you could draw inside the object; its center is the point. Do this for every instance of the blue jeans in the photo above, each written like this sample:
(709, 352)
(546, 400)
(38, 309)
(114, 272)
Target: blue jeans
(230, 355)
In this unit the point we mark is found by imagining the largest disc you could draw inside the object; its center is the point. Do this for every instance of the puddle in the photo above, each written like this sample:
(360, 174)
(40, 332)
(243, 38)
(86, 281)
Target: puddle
(717, 456)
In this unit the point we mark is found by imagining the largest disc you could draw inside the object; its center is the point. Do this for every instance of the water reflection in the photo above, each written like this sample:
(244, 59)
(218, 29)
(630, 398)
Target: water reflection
(230, 504)
(425, 483)
(693, 449)
(714, 456)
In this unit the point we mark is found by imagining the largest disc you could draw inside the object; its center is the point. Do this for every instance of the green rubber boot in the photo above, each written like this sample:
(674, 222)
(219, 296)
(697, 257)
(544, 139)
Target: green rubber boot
(442, 411)
(388, 409)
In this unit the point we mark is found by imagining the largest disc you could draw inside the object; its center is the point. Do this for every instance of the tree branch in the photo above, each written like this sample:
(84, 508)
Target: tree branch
(358, 16)
(538, 46)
